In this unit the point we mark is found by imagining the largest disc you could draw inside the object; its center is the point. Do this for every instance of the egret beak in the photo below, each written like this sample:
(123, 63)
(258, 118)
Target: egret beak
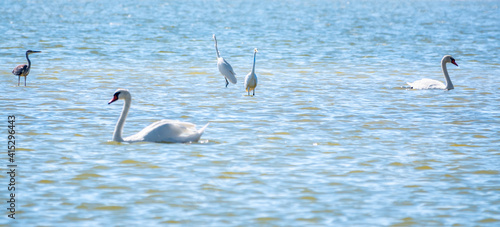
(36, 51)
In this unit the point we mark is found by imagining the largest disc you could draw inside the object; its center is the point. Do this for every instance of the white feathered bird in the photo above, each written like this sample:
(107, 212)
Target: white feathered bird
(435, 84)
(251, 78)
(224, 67)
(164, 131)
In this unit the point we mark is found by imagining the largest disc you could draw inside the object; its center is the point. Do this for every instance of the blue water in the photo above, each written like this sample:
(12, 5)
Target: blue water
(330, 138)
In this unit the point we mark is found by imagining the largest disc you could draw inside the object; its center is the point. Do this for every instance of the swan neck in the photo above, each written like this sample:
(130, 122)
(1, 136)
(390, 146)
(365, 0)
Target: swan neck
(117, 135)
(449, 84)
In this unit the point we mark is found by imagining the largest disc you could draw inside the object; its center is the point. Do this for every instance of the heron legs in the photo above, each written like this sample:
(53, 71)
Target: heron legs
(227, 82)
(19, 81)
(253, 92)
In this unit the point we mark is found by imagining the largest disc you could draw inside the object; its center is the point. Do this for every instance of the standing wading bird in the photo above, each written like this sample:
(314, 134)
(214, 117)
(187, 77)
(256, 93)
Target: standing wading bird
(251, 78)
(224, 67)
(24, 70)
(435, 84)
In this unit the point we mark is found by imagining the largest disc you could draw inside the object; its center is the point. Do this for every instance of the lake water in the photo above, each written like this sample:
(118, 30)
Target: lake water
(330, 138)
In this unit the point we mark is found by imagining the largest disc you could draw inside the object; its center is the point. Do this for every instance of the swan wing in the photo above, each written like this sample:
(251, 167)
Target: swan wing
(168, 131)
(226, 70)
(427, 84)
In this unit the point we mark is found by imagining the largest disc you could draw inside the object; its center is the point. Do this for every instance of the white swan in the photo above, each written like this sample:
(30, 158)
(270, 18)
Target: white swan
(251, 78)
(166, 131)
(434, 84)
(224, 67)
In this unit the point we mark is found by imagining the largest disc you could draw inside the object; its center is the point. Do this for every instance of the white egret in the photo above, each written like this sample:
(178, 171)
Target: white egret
(224, 67)
(166, 131)
(435, 84)
(251, 78)
(24, 70)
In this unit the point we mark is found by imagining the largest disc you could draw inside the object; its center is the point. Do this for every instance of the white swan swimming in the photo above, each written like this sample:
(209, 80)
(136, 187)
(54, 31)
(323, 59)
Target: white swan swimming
(166, 131)
(251, 78)
(434, 84)
(224, 67)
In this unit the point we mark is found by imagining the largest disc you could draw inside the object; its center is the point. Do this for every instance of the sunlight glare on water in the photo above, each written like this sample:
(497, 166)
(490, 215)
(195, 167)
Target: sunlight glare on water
(330, 138)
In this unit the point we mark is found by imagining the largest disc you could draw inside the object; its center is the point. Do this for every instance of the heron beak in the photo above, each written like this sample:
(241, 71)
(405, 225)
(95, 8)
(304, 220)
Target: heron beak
(453, 62)
(113, 99)
(36, 51)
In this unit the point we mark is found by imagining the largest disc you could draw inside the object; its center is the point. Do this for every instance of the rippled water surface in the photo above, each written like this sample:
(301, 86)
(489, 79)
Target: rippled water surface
(330, 138)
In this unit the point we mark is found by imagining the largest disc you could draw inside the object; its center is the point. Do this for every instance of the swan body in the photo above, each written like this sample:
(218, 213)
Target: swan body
(164, 131)
(435, 84)
(224, 67)
(24, 70)
(251, 78)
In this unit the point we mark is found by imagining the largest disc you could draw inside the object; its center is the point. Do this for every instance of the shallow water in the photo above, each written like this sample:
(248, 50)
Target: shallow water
(330, 138)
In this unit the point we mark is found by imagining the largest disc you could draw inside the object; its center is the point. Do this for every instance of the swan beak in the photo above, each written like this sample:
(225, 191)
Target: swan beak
(113, 99)
(453, 62)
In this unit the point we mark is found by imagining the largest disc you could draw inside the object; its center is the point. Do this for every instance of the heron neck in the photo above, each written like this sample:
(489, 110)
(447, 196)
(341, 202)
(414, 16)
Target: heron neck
(117, 135)
(253, 68)
(29, 62)
(217, 49)
(449, 84)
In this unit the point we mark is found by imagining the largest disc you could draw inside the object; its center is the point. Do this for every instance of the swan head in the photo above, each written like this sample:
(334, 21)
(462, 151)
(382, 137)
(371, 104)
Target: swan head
(120, 94)
(449, 59)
